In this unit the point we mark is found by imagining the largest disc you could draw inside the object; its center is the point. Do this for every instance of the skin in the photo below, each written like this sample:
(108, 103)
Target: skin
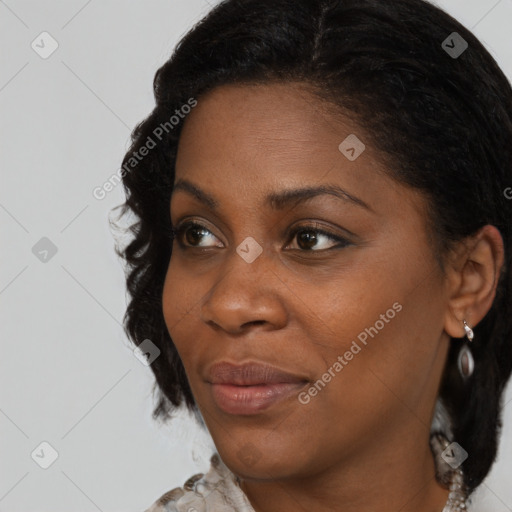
(362, 443)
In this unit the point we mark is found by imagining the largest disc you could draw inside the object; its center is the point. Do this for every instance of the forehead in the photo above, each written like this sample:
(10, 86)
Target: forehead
(265, 117)
(273, 130)
(251, 139)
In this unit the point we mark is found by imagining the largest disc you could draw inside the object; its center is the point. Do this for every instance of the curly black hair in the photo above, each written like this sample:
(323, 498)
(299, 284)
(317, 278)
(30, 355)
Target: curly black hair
(442, 123)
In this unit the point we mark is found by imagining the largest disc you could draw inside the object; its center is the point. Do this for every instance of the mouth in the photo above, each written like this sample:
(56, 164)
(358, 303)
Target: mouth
(252, 387)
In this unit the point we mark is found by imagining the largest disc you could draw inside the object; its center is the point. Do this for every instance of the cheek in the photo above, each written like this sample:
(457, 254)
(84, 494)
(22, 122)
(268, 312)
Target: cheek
(180, 303)
(335, 311)
(386, 326)
(383, 317)
(172, 306)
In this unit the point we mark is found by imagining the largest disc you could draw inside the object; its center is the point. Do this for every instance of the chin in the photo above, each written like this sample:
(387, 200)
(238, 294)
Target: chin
(254, 457)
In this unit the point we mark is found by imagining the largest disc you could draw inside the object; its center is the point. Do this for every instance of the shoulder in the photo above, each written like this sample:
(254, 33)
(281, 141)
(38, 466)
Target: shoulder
(217, 490)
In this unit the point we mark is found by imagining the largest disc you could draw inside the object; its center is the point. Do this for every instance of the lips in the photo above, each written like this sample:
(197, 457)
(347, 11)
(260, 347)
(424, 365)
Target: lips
(250, 374)
(252, 387)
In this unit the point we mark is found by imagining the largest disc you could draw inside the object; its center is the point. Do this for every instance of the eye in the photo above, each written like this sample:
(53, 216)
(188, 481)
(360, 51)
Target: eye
(309, 238)
(313, 238)
(191, 234)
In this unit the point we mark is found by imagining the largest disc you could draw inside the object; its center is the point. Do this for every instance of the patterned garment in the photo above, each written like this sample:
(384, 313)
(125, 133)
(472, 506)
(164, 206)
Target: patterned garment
(215, 491)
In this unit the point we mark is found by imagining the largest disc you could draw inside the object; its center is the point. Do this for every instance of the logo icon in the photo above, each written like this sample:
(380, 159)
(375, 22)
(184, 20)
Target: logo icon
(249, 454)
(454, 455)
(454, 45)
(249, 249)
(44, 45)
(146, 352)
(44, 455)
(44, 250)
(351, 147)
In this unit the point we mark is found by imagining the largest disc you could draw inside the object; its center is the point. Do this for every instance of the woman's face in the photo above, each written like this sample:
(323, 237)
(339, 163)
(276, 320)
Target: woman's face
(340, 290)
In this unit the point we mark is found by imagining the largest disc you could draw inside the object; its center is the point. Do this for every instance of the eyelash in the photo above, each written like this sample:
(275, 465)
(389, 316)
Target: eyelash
(180, 230)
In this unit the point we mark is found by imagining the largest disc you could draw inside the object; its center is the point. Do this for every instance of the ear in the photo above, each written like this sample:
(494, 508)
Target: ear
(472, 279)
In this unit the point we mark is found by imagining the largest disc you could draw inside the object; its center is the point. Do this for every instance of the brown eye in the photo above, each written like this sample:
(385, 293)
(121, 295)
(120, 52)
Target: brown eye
(192, 234)
(313, 239)
(306, 239)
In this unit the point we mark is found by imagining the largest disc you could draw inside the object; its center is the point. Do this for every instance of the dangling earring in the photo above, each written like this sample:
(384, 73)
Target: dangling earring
(465, 360)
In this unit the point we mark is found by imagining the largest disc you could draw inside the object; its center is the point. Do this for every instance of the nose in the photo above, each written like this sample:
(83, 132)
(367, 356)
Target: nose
(245, 295)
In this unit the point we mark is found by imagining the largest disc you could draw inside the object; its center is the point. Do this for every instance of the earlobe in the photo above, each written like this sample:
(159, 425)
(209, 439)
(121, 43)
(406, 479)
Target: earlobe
(472, 280)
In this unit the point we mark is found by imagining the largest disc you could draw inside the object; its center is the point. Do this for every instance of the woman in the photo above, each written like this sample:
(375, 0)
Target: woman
(322, 254)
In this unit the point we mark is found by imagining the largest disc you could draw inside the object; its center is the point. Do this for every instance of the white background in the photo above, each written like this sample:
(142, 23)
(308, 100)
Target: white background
(68, 373)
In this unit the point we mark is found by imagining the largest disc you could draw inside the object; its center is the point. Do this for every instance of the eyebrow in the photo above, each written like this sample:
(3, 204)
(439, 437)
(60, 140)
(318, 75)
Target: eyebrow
(275, 200)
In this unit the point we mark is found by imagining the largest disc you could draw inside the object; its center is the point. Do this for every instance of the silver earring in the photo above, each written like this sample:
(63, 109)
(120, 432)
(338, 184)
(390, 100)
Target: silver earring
(469, 331)
(465, 361)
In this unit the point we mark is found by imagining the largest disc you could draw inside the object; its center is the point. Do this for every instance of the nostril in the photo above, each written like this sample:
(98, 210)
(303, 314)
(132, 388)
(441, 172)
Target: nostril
(256, 322)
